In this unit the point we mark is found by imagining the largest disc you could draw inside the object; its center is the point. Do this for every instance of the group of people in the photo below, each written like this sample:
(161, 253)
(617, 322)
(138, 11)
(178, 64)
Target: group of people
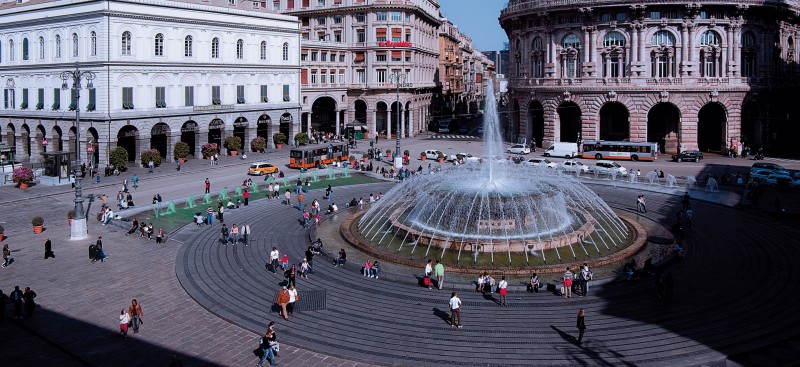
(130, 318)
(21, 300)
(577, 282)
(371, 269)
(232, 234)
(146, 230)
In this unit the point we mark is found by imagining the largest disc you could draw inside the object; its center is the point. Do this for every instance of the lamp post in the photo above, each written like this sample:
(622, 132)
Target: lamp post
(400, 80)
(78, 229)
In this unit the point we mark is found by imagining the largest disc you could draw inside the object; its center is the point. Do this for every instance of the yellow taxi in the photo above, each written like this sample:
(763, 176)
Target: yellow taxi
(261, 168)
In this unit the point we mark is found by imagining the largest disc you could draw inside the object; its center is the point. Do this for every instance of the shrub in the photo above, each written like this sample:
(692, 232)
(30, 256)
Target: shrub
(119, 158)
(209, 149)
(70, 214)
(258, 144)
(181, 150)
(37, 221)
(22, 175)
(279, 138)
(441, 155)
(151, 155)
(233, 143)
(302, 138)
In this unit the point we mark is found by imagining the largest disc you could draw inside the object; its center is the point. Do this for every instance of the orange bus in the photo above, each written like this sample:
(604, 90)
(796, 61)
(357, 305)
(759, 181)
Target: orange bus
(313, 156)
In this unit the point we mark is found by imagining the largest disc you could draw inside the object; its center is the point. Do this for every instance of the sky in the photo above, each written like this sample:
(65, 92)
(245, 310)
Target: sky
(478, 20)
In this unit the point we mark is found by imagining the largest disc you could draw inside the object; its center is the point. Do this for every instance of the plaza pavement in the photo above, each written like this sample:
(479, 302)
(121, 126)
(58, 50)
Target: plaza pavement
(80, 301)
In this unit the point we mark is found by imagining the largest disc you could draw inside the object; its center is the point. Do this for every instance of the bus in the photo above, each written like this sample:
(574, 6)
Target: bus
(645, 151)
(313, 156)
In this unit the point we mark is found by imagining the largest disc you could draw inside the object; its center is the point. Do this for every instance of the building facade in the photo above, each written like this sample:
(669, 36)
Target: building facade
(708, 75)
(350, 51)
(166, 71)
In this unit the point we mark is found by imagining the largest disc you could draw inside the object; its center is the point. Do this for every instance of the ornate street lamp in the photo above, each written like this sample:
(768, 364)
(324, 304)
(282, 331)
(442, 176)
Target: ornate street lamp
(400, 80)
(78, 229)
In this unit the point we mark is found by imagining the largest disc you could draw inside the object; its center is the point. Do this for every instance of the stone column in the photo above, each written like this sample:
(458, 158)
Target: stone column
(172, 138)
(198, 144)
(337, 122)
(634, 45)
(737, 51)
(640, 30)
(411, 129)
(401, 122)
(691, 45)
(373, 125)
(308, 123)
(586, 47)
(36, 149)
(684, 50)
(388, 122)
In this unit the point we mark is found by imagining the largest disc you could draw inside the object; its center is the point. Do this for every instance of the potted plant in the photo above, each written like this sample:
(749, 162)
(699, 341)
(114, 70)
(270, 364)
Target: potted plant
(209, 149)
(364, 157)
(70, 214)
(233, 144)
(181, 151)
(37, 223)
(302, 138)
(119, 158)
(423, 156)
(388, 153)
(441, 157)
(279, 139)
(22, 176)
(151, 155)
(258, 144)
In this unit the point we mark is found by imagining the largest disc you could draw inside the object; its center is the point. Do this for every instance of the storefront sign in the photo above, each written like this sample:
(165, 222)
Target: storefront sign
(394, 44)
(90, 148)
(286, 119)
(214, 107)
(189, 127)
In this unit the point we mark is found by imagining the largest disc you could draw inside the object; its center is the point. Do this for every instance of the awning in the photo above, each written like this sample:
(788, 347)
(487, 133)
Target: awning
(397, 32)
(359, 57)
(380, 32)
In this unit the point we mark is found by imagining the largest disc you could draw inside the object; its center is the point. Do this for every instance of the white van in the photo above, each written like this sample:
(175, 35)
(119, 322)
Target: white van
(566, 150)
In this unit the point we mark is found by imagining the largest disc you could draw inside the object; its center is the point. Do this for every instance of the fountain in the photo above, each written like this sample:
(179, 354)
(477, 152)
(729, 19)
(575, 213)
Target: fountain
(493, 209)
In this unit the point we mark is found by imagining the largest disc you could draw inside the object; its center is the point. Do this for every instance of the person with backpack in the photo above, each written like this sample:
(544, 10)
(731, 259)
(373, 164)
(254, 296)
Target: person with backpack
(585, 277)
(266, 349)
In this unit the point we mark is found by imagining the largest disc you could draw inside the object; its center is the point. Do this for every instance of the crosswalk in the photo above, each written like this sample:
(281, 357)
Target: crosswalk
(452, 136)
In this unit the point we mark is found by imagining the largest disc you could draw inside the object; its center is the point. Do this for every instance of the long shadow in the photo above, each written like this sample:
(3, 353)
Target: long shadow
(34, 342)
(442, 315)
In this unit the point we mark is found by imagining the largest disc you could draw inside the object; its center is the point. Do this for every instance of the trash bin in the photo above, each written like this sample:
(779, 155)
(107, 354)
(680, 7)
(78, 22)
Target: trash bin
(92, 252)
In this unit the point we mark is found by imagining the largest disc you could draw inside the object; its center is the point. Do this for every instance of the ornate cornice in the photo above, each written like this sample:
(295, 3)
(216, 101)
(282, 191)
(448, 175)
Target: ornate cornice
(154, 18)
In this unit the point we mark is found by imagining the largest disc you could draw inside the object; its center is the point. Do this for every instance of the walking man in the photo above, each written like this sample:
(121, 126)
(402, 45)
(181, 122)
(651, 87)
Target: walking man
(439, 271)
(224, 232)
(581, 325)
(48, 249)
(150, 166)
(273, 259)
(288, 196)
(208, 186)
(246, 197)
(283, 301)
(455, 310)
(16, 300)
(245, 233)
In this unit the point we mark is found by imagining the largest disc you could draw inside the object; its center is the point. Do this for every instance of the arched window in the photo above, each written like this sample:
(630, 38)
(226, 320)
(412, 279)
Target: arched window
(263, 50)
(10, 50)
(749, 52)
(614, 39)
(571, 40)
(215, 48)
(187, 46)
(159, 45)
(710, 38)
(93, 46)
(285, 51)
(570, 56)
(240, 49)
(58, 46)
(41, 48)
(663, 38)
(25, 48)
(537, 57)
(126, 43)
(74, 45)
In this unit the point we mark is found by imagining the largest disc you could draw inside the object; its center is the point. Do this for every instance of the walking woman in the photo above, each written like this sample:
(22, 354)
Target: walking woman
(135, 311)
(291, 276)
(581, 325)
(501, 288)
(124, 319)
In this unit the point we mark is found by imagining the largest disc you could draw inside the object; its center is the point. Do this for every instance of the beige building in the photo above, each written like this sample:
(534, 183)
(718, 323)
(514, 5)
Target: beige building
(352, 51)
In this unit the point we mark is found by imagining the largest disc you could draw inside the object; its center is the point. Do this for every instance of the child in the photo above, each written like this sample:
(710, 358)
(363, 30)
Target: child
(285, 262)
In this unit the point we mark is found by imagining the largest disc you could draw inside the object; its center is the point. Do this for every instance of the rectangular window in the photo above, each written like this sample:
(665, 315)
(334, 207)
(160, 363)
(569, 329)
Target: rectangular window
(324, 56)
(304, 21)
(40, 100)
(6, 97)
(380, 16)
(305, 3)
(240, 94)
(314, 56)
(320, 20)
(290, 4)
(127, 98)
(408, 56)
(380, 34)
(361, 76)
(321, 36)
(337, 19)
(408, 17)
(381, 56)
(188, 93)
(361, 18)
(397, 55)
(276, 5)
(264, 93)
(161, 97)
(337, 37)
(397, 34)
(320, 2)
(24, 105)
(92, 105)
(313, 76)
(324, 77)
(305, 36)
(359, 57)
(655, 15)
(361, 37)
(381, 76)
(286, 97)
(341, 58)
(304, 57)
(397, 16)
(56, 99)
(216, 95)
(332, 77)
(341, 76)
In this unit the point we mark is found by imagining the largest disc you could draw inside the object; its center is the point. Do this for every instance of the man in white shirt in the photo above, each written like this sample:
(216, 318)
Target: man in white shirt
(455, 309)
(245, 231)
(274, 259)
(292, 299)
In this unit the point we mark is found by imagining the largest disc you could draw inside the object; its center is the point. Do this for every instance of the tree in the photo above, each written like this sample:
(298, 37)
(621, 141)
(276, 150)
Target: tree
(233, 143)
(302, 138)
(181, 150)
(151, 155)
(119, 158)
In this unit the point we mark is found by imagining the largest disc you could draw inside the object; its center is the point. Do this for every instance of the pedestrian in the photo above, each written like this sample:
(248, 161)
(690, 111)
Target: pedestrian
(101, 254)
(300, 201)
(298, 186)
(208, 186)
(221, 214)
(304, 268)
(178, 165)
(16, 300)
(210, 216)
(639, 204)
(585, 277)
(439, 271)
(328, 192)
(245, 230)
(135, 180)
(224, 231)
(292, 299)
(288, 196)
(234, 234)
(643, 203)
(291, 275)
(502, 290)
(135, 310)
(30, 305)
(455, 310)
(266, 349)
(581, 325)
(534, 283)
(3, 301)
(285, 262)
(686, 200)
(428, 272)
(567, 289)
(273, 259)
(124, 319)
(306, 218)
(160, 236)
(246, 195)
(342, 259)
(150, 166)
(7, 259)
(48, 249)
(283, 302)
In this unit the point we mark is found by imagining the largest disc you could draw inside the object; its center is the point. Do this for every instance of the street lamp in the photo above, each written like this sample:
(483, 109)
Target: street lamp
(78, 229)
(400, 80)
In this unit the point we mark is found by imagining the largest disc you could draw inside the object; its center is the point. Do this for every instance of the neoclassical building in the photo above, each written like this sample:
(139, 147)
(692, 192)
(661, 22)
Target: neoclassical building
(694, 75)
(166, 71)
(351, 49)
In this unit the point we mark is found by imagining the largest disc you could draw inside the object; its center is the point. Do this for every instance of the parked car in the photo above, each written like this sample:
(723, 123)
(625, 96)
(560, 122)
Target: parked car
(519, 149)
(466, 157)
(772, 167)
(574, 166)
(689, 155)
(759, 175)
(774, 179)
(432, 154)
(609, 167)
(541, 162)
(261, 168)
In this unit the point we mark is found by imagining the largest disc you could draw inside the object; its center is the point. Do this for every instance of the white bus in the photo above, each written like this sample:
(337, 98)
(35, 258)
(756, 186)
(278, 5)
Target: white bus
(626, 150)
